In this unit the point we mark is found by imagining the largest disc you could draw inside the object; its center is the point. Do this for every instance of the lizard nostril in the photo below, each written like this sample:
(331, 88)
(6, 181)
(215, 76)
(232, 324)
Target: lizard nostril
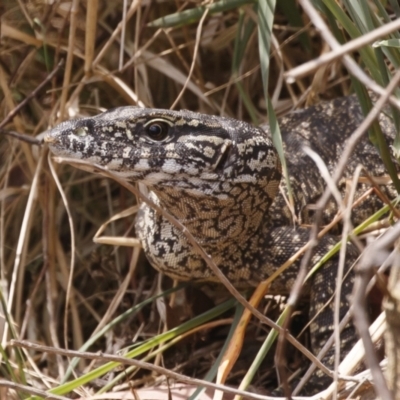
(49, 138)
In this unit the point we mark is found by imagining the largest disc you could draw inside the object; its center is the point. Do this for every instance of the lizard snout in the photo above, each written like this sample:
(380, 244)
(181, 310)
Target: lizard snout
(50, 138)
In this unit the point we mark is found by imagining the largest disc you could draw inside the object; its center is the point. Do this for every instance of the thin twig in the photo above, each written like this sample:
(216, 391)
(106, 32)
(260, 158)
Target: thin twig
(18, 387)
(137, 363)
(374, 255)
(367, 38)
(23, 103)
(22, 137)
(350, 64)
(70, 56)
(196, 49)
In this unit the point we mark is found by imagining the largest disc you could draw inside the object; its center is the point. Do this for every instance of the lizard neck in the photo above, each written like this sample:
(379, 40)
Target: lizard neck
(219, 219)
(230, 229)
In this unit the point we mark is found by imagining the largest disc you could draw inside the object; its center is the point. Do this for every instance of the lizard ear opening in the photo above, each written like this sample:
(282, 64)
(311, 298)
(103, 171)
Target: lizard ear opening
(221, 161)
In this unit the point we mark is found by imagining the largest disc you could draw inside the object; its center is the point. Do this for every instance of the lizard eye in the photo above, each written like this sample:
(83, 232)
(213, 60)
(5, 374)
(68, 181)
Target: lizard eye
(157, 130)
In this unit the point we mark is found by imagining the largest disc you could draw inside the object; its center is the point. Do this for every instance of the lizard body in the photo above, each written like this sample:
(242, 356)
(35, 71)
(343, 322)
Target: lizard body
(221, 178)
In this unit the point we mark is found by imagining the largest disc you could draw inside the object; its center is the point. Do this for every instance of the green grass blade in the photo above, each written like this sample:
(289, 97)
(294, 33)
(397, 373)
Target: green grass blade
(244, 32)
(388, 43)
(277, 141)
(367, 53)
(194, 14)
(265, 13)
(264, 349)
(212, 373)
(18, 352)
(360, 13)
(148, 345)
(128, 313)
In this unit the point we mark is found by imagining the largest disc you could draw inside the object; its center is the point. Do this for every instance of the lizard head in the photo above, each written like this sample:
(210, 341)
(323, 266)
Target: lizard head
(164, 148)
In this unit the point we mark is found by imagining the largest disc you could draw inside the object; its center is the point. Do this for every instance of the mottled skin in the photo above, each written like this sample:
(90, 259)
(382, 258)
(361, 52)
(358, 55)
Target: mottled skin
(220, 177)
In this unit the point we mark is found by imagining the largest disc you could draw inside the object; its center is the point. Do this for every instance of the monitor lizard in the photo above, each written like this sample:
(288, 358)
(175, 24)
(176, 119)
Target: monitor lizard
(221, 178)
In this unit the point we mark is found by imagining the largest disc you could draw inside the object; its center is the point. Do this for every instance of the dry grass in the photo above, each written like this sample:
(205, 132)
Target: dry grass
(59, 295)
